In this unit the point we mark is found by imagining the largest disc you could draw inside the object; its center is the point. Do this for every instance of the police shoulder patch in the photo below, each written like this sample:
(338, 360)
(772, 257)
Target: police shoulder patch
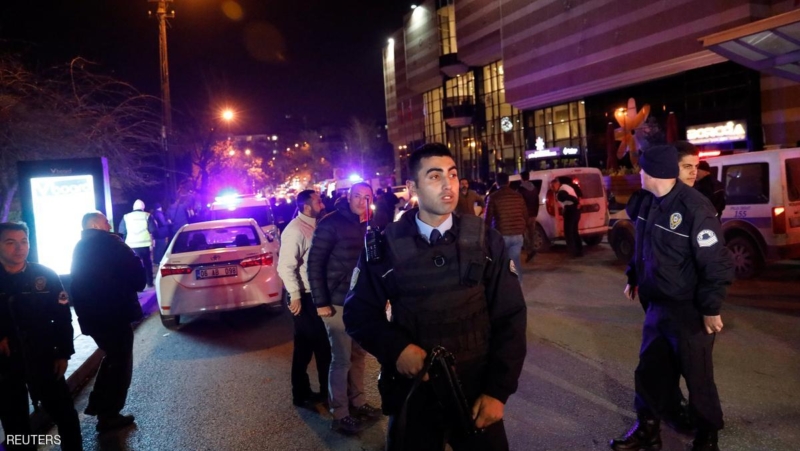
(675, 220)
(512, 267)
(706, 238)
(354, 278)
(63, 298)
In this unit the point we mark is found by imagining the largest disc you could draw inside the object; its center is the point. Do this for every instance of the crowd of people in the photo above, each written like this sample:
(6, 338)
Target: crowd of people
(440, 277)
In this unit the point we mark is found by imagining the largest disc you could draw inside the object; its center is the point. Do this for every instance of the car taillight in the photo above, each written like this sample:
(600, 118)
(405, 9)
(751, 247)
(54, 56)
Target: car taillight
(261, 260)
(550, 203)
(172, 270)
(778, 220)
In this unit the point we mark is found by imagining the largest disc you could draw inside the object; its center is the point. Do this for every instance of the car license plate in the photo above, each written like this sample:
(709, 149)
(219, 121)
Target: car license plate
(222, 271)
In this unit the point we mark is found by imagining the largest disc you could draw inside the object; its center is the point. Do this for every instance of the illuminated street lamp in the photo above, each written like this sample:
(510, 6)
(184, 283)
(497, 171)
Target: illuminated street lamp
(228, 114)
(247, 152)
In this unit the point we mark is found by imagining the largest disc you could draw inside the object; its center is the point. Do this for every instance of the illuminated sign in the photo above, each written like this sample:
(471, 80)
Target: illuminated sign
(506, 124)
(59, 204)
(551, 152)
(721, 132)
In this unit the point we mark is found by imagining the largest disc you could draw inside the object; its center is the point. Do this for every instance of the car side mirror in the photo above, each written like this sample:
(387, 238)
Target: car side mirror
(272, 232)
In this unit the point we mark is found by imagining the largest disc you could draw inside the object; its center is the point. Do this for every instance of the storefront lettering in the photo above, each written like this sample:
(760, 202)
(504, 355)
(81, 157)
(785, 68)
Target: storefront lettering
(717, 133)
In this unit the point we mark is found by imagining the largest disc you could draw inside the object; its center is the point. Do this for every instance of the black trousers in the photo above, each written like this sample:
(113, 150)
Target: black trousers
(114, 375)
(572, 217)
(674, 344)
(429, 427)
(144, 254)
(51, 391)
(310, 340)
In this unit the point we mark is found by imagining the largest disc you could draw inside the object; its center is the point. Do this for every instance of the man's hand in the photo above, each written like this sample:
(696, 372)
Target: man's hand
(4, 348)
(326, 312)
(59, 367)
(294, 306)
(487, 411)
(411, 361)
(713, 324)
(630, 292)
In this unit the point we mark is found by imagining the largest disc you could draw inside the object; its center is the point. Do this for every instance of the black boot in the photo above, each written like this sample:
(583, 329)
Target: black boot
(645, 434)
(681, 420)
(705, 441)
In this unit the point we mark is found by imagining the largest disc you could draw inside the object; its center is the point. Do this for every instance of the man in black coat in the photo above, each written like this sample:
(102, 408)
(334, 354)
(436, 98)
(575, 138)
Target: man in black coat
(106, 275)
(710, 187)
(337, 243)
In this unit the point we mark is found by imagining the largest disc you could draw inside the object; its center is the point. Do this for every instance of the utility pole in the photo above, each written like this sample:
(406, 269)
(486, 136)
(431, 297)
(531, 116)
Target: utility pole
(166, 120)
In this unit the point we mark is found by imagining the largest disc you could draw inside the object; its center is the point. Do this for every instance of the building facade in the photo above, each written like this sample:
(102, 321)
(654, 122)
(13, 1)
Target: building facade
(518, 84)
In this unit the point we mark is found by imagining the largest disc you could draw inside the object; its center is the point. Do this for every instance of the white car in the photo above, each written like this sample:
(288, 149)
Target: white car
(217, 266)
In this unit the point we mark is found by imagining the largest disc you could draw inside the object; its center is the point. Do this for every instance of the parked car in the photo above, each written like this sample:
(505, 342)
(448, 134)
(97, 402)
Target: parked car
(217, 266)
(761, 221)
(593, 225)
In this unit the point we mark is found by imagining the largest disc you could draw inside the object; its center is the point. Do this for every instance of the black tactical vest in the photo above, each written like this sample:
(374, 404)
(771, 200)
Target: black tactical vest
(442, 299)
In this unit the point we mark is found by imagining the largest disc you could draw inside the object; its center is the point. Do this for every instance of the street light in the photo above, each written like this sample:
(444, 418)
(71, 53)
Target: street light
(228, 114)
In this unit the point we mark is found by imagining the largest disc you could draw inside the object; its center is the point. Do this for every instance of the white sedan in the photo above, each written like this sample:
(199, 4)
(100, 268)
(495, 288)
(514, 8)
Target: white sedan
(217, 266)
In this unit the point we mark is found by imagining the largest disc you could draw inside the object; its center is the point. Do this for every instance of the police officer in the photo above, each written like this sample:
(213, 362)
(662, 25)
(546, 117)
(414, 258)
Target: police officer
(138, 228)
(35, 342)
(450, 283)
(681, 270)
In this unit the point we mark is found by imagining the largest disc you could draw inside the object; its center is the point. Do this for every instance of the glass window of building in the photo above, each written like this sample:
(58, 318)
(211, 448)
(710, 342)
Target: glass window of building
(557, 127)
(503, 135)
(434, 121)
(461, 89)
(447, 27)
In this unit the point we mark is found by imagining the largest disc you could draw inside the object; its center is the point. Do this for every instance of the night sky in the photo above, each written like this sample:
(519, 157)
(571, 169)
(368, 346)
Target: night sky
(318, 60)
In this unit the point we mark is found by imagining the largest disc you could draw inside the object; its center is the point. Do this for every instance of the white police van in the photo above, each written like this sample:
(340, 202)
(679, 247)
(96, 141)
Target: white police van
(594, 206)
(761, 221)
(254, 206)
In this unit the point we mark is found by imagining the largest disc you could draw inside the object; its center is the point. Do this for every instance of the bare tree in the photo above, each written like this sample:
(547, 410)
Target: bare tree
(69, 111)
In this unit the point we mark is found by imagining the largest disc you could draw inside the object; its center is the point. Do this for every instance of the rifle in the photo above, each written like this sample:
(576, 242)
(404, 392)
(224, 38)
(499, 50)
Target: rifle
(441, 368)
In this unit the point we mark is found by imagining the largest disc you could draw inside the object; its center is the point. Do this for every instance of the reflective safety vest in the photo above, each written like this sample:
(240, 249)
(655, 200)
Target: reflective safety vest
(137, 234)
(442, 298)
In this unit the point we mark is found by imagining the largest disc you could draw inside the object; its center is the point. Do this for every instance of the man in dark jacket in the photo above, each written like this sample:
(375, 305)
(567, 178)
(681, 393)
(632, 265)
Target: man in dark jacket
(337, 243)
(35, 343)
(161, 234)
(506, 212)
(450, 284)
(710, 187)
(569, 197)
(530, 193)
(681, 269)
(106, 275)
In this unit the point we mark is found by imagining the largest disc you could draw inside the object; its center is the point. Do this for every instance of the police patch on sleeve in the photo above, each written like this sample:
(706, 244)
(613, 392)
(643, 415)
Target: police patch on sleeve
(706, 238)
(513, 268)
(63, 299)
(354, 278)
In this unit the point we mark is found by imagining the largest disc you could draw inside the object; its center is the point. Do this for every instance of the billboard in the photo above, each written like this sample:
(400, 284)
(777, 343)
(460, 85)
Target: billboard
(55, 194)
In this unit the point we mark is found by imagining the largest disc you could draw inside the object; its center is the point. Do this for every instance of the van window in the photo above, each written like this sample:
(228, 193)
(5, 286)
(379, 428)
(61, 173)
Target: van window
(746, 183)
(793, 178)
(591, 185)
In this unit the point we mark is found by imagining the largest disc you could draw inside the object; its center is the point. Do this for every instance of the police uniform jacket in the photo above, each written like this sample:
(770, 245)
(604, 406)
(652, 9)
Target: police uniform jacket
(680, 258)
(338, 241)
(138, 227)
(375, 283)
(106, 276)
(35, 314)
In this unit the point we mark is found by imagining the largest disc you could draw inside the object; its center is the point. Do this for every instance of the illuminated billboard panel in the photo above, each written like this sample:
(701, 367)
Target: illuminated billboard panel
(59, 204)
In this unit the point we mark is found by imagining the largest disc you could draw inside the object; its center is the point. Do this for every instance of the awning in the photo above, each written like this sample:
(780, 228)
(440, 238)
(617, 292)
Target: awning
(769, 45)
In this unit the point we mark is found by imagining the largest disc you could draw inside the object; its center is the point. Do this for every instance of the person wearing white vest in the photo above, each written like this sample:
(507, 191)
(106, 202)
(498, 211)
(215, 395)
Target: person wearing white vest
(138, 227)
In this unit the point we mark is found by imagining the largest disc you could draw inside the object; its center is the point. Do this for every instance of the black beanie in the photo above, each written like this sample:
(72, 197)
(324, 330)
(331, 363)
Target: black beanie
(660, 162)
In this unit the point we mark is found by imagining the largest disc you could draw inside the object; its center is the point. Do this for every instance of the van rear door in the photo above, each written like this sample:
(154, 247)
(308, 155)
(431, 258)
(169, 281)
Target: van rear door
(792, 209)
(593, 202)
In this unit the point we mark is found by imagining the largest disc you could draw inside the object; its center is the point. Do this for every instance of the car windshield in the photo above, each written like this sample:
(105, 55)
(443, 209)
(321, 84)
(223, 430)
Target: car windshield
(215, 238)
(262, 214)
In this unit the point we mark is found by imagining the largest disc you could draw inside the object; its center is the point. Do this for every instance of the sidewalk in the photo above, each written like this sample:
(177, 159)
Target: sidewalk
(84, 363)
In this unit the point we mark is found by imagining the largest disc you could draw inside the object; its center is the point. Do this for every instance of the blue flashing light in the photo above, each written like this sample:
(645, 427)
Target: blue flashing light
(355, 178)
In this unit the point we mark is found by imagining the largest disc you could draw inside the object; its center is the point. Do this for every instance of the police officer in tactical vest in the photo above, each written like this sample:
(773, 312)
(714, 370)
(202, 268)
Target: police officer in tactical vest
(35, 343)
(450, 283)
